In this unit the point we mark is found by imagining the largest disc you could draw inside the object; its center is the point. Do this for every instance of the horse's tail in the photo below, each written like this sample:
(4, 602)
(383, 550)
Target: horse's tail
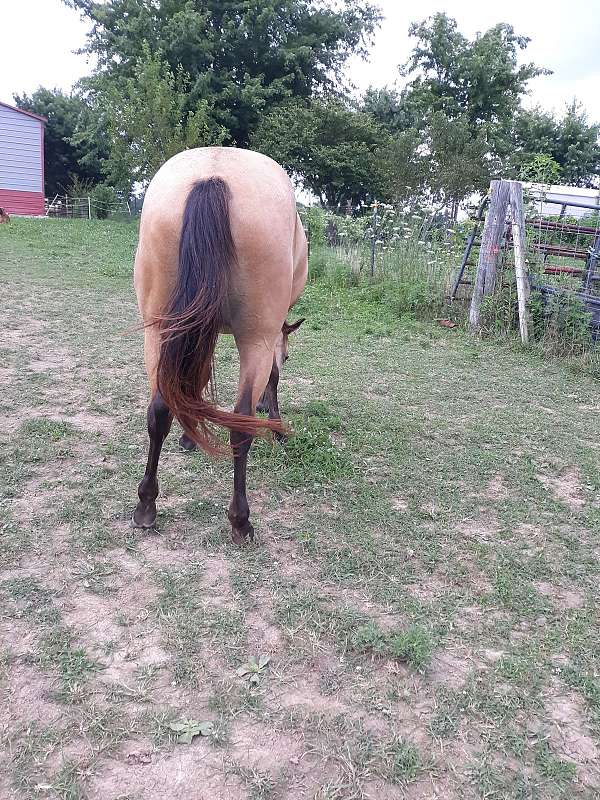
(190, 325)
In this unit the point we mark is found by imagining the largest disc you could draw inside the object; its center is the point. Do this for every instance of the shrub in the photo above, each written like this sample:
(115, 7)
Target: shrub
(103, 198)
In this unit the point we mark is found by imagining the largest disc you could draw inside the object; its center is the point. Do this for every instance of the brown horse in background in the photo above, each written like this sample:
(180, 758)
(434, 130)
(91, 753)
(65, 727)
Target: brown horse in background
(221, 249)
(3, 216)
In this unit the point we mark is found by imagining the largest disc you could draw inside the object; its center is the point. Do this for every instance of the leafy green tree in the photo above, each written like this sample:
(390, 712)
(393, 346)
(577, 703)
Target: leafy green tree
(457, 163)
(148, 121)
(389, 108)
(540, 168)
(69, 152)
(337, 152)
(479, 80)
(243, 57)
(571, 142)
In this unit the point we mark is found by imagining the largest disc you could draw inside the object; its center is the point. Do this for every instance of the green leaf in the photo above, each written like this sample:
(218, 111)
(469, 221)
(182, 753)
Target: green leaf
(189, 728)
(206, 728)
(253, 668)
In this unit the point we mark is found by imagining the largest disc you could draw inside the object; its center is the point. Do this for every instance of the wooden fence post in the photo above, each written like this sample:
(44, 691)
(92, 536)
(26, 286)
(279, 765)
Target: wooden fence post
(491, 240)
(518, 232)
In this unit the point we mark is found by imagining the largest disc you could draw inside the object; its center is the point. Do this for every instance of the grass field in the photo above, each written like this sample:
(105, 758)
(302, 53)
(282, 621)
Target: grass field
(424, 581)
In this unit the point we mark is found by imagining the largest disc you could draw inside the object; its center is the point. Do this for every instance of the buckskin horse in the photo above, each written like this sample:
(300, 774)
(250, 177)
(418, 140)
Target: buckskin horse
(221, 250)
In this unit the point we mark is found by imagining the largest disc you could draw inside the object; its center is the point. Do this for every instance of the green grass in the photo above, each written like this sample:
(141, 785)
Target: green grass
(424, 577)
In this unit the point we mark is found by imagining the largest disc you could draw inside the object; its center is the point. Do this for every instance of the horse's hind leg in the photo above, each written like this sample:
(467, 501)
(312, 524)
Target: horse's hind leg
(254, 373)
(159, 424)
(186, 443)
(271, 399)
(265, 404)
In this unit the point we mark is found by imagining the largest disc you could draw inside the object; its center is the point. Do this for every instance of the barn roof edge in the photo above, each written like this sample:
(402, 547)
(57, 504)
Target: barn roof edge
(22, 111)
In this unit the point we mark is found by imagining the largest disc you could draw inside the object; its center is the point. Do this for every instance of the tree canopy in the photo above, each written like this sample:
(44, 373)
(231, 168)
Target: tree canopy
(477, 79)
(269, 74)
(336, 151)
(242, 57)
(571, 141)
(148, 121)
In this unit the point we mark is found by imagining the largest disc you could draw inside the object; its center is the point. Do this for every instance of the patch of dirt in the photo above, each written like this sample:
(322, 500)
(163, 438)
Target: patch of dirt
(563, 599)
(430, 587)
(54, 359)
(258, 746)
(26, 697)
(570, 735)
(216, 576)
(155, 549)
(36, 502)
(17, 635)
(566, 489)
(496, 489)
(399, 504)
(474, 620)
(191, 771)
(264, 636)
(302, 693)
(451, 667)
(29, 328)
(492, 656)
(89, 423)
(480, 530)
(354, 599)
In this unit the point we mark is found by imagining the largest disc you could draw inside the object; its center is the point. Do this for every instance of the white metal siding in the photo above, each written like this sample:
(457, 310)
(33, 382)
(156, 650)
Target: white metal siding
(20, 151)
(563, 194)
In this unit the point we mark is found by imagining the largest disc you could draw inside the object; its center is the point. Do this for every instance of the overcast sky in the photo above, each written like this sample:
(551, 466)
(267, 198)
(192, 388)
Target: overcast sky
(38, 37)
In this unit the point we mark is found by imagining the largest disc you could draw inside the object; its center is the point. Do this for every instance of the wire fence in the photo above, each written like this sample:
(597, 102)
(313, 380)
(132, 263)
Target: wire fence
(412, 255)
(90, 207)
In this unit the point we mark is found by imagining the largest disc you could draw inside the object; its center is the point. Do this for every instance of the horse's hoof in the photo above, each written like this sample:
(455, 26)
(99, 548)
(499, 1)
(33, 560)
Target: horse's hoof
(281, 438)
(144, 517)
(243, 535)
(187, 444)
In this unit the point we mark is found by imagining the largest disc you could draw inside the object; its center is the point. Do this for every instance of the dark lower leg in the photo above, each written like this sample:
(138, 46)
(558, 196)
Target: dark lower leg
(263, 403)
(239, 511)
(186, 443)
(159, 424)
(272, 401)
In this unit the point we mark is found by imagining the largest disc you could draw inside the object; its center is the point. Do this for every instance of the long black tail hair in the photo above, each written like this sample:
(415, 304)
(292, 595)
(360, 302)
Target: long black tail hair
(191, 322)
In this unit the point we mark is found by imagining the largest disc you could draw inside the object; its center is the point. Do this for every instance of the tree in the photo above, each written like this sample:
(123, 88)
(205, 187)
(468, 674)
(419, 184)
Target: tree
(571, 142)
(148, 121)
(387, 106)
(457, 162)
(69, 152)
(338, 153)
(243, 57)
(406, 168)
(479, 80)
(539, 168)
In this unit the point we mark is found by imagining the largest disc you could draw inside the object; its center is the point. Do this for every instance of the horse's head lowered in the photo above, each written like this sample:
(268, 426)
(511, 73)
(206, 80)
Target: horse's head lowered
(281, 346)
